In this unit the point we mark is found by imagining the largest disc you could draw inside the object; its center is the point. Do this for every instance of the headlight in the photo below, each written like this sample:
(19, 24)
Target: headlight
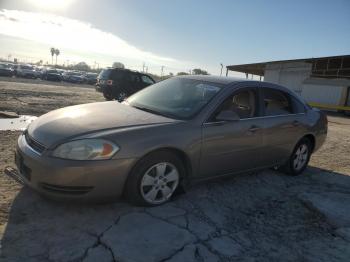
(86, 149)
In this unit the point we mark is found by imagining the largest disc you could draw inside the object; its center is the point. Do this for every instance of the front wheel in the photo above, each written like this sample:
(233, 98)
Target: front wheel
(154, 179)
(299, 159)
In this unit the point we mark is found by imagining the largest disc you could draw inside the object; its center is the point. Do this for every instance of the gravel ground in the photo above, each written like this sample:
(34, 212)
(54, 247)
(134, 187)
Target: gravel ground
(265, 216)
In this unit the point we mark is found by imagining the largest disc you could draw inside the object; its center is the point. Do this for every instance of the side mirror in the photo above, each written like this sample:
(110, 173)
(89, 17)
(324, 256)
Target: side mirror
(227, 115)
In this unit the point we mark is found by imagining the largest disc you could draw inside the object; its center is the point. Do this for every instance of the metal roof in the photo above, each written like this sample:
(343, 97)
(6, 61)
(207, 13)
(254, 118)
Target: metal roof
(329, 67)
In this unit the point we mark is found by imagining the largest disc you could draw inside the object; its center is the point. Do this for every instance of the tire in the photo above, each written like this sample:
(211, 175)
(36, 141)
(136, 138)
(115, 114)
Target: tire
(299, 159)
(107, 97)
(120, 97)
(154, 179)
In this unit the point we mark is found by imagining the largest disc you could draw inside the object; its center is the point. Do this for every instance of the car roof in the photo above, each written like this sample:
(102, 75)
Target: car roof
(214, 79)
(230, 81)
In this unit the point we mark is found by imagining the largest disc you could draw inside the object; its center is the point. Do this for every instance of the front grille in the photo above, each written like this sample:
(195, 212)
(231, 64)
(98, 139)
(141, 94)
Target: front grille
(34, 144)
(70, 190)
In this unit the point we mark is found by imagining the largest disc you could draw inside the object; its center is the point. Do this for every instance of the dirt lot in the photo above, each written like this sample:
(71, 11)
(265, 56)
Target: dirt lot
(265, 216)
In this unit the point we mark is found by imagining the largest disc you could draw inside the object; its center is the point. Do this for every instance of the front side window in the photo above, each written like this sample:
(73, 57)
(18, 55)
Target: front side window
(147, 80)
(243, 103)
(175, 97)
(276, 102)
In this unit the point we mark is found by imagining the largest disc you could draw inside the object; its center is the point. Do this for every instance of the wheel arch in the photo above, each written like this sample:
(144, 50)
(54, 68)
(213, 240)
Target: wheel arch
(179, 153)
(176, 151)
(312, 140)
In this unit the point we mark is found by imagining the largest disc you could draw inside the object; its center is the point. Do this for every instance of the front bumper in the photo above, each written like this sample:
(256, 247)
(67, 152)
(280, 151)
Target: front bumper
(69, 179)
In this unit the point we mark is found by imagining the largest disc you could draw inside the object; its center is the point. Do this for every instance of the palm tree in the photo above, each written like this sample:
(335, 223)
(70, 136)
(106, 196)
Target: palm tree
(57, 53)
(52, 50)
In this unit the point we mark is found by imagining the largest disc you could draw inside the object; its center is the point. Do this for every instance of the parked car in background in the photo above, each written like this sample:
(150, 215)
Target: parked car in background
(119, 83)
(73, 77)
(25, 71)
(76, 79)
(66, 75)
(38, 72)
(6, 70)
(91, 78)
(180, 130)
(52, 75)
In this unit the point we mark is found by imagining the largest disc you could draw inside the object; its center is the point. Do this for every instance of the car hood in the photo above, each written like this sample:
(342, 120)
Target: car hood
(69, 122)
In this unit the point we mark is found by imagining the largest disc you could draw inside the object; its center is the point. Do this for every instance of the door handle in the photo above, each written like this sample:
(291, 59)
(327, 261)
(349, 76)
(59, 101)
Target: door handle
(253, 129)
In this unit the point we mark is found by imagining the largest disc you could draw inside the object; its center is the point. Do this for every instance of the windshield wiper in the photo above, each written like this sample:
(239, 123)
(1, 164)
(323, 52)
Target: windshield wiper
(150, 111)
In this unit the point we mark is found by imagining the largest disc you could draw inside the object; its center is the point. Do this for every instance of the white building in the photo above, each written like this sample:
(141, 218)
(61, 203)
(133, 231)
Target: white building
(323, 82)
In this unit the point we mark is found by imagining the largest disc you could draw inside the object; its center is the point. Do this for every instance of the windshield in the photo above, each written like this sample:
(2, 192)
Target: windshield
(176, 97)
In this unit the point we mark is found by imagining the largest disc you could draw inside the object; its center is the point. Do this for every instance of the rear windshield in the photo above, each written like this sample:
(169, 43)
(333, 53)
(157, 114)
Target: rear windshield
(111, 74)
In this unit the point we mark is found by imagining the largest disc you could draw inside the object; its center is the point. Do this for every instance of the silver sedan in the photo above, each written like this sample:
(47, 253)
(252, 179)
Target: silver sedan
(180, 130)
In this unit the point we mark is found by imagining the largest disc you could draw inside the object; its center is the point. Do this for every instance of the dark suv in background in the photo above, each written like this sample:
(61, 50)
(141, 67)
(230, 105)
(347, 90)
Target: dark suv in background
(117, 83)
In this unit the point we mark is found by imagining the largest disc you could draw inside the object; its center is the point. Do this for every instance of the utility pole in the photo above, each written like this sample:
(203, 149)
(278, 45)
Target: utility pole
(162, 71)
(221, 69)
(143, 67)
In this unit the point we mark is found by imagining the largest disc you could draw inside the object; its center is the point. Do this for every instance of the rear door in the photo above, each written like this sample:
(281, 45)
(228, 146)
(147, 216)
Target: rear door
(283, 124)
(229, 147)
(133, 82)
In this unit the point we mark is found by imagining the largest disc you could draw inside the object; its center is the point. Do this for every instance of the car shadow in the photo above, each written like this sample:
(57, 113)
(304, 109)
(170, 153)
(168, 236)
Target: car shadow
(40, 229)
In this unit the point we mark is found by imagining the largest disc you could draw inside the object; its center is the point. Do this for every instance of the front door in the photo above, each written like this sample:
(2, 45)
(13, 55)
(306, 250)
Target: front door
(233, 146)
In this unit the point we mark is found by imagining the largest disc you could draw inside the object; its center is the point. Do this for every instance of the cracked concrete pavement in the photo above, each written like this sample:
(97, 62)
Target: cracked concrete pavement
(264, 216)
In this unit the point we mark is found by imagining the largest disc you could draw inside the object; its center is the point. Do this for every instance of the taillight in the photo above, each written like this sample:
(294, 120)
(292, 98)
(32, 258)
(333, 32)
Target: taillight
(109, 82)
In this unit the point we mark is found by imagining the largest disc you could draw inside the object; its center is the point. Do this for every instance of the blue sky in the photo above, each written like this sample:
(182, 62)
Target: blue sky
(205, 33)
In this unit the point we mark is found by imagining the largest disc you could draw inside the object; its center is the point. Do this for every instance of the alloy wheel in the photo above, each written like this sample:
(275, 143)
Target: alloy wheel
(159, 182)
(300, 157)
(121, 96)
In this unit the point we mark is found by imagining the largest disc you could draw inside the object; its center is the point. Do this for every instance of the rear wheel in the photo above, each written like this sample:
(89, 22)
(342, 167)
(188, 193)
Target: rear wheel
(154, 179)
(108, 97)
(299, 159)
(121, 96)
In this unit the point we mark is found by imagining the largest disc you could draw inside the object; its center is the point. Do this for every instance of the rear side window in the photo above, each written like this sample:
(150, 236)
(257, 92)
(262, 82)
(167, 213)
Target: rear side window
(276, 102)
(117, 75)
(111, 74)
(132, 77)
(298, 107)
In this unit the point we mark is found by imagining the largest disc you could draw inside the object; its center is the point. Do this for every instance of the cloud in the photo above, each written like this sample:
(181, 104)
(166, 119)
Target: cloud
(67, 33)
